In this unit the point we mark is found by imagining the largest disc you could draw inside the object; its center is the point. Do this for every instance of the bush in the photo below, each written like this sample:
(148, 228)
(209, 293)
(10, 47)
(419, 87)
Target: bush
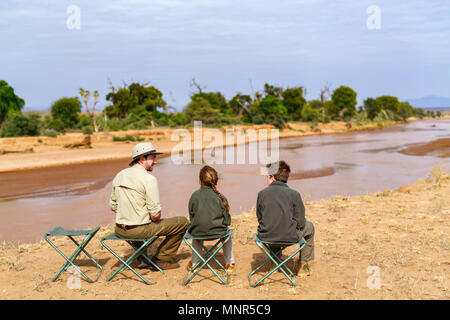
(128, 138)
(88, 130)
(310, 114)
(84, 121)
(57, 125)
(20, 125)
(50, 133)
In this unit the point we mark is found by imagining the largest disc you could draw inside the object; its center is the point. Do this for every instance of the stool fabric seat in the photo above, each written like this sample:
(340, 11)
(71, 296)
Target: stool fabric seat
(89, 234)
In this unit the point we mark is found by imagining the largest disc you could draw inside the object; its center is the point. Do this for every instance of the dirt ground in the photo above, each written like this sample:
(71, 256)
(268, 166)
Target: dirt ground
(391, 245)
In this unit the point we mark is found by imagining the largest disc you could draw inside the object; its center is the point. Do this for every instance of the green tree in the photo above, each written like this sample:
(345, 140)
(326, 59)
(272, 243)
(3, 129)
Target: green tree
(9, 101)
(311, 114)
(270, 90)
(147, 96)
(240, 103)
(294, 101)
(271, 111)
(67, 110)
(372, 107)
(405, 110)
(179, 119)
(125, 98)
(344, 103)
(315, 104)
(200, 109)
(215, 99)
(389, 103)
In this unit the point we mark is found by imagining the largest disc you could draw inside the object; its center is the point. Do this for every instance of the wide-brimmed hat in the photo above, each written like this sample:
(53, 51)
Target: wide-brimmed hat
(143, 149)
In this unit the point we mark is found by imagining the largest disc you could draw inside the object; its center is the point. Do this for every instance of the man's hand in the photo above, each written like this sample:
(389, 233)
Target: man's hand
(156, 217)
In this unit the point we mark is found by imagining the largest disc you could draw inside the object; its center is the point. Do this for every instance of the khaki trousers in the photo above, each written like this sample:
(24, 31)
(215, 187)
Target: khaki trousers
(172, 228)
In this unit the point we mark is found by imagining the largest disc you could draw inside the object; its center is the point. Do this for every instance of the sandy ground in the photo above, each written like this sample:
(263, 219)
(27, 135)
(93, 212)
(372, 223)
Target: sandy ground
(39, 152)
(401, 235)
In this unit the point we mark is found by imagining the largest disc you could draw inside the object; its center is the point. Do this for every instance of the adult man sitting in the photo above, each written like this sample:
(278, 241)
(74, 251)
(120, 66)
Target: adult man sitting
(135, 200)
(281, 214)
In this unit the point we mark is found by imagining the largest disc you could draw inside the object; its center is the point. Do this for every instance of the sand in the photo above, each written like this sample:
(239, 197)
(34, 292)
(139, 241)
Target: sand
(402, 234)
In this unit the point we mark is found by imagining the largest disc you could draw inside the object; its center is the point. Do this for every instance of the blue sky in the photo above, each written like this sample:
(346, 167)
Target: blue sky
(223, 44)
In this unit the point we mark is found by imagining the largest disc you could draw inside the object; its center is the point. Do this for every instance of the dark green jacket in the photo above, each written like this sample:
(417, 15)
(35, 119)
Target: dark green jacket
(280, 212)
(207, 213)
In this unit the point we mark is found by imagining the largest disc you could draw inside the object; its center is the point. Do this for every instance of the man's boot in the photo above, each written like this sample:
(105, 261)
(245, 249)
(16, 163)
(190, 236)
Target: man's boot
(304, 269)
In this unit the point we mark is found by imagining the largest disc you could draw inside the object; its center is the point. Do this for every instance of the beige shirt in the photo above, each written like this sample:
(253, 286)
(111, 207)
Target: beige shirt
(134, 196)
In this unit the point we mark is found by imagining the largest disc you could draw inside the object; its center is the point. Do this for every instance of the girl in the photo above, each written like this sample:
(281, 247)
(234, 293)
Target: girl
(209, 213)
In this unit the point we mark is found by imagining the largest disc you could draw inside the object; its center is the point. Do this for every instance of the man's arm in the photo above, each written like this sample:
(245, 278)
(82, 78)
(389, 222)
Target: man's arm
(113, 200)
(299, 212)
(152, 200)
(258, 208)
(156, 217)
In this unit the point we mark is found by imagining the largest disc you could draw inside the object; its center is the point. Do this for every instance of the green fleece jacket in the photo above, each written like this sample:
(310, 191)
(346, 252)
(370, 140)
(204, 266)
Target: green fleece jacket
(207, 214)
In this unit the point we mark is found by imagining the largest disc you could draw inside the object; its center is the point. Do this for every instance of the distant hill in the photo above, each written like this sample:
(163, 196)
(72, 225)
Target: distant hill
(430, 102)
(39, 109)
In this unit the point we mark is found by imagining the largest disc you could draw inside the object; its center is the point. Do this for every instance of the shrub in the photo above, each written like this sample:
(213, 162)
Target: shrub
(20, 125)
(128, 138)
(88, 130)
(50, 133)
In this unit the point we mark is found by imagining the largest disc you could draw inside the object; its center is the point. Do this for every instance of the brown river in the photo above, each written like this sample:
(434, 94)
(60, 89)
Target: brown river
(77, 196)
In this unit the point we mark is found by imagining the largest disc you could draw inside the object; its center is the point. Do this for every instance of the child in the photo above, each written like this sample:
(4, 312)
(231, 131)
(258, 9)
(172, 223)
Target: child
(209, 215)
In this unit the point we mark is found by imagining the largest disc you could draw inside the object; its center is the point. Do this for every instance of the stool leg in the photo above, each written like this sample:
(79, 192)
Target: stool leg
(89, 256)
(69, 261)
(128, 262)
(204, 262)
(145, 256)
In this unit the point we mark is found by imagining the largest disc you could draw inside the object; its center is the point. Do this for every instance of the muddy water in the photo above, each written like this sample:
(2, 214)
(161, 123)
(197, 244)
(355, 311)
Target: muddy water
(34, 201)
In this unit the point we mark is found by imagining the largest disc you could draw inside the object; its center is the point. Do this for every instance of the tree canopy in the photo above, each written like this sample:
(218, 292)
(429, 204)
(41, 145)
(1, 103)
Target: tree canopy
(136, 94)
(9, 101)
(344, 103)
(67, 111)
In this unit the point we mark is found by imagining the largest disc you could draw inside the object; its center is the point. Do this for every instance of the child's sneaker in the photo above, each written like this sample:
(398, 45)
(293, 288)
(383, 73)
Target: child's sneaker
(229, 267)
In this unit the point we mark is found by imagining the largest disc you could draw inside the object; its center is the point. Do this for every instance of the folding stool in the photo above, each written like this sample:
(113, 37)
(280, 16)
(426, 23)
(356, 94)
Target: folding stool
(210, 254)
(89, 234)
(275, 258)
(139, 251)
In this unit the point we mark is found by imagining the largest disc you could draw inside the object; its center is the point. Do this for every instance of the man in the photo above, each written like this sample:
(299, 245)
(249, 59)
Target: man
(135, 200)
(281, 214)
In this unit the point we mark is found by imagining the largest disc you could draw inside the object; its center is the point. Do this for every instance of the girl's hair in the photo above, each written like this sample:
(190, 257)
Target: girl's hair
(209, 177)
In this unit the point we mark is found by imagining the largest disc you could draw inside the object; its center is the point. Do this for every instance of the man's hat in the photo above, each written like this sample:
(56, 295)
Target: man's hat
(143, 149)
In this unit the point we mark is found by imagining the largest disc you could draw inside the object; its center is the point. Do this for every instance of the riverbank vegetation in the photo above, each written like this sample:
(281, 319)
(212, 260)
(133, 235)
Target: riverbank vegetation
(141, 106)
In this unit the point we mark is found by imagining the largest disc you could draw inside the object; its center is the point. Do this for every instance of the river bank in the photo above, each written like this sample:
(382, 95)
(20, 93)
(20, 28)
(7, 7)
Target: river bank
(403, 232)
(24, 153)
